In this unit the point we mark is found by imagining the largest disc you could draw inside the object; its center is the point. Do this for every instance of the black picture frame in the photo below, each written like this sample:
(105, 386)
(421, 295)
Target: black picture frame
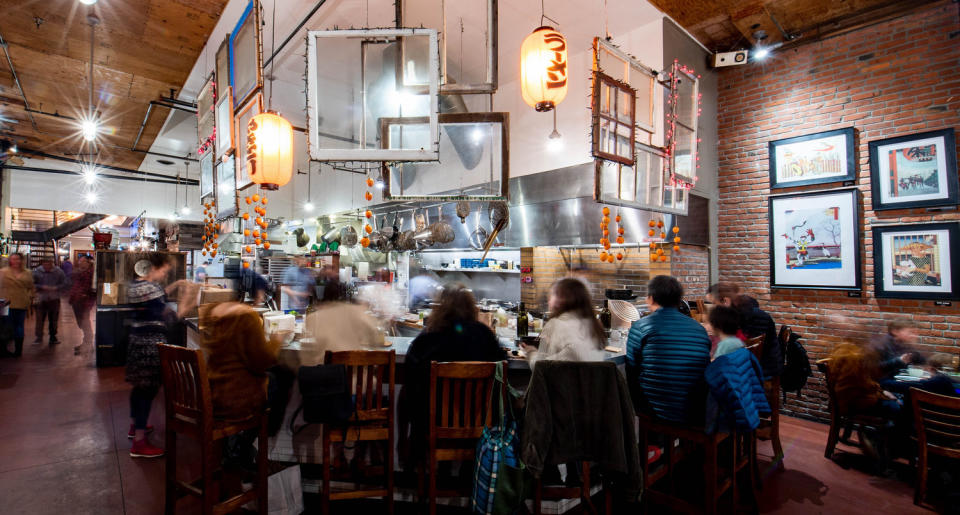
(948, 258)
(847, 161)
(880, 170)
(821, 280)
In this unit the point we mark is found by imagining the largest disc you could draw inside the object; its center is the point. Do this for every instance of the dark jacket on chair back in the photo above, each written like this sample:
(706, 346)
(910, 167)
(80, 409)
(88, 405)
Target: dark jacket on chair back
(756, 322)
(667, 353)
(581, 411)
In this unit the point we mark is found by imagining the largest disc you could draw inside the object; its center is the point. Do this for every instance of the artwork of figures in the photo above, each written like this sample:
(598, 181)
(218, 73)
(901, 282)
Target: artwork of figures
(812, 159)
(814, 240)
(916, 261)
(919, 170)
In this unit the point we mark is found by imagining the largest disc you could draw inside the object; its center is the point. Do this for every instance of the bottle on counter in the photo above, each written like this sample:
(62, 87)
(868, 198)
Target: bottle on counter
(605, 316)
(523, 322)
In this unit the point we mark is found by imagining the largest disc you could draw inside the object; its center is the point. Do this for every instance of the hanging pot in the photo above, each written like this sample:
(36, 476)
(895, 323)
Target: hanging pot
(463, 210)
(333, 235)
(442, 232)
(406, 241)
(499, 218)
(348, 236)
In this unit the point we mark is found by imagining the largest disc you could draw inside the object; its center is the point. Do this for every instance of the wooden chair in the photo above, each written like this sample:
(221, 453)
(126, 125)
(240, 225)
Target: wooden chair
(460, 409)
(742, 457)
(937, 420)
(769, 426)
(368, 373)
(189, 411)
(838, 420)
(543, 492)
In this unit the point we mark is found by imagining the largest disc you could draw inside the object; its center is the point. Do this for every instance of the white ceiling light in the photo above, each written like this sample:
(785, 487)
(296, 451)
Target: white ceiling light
(90, 197)
(185, 210)
(89, 174)
(308, 207)
(88, 2)
(89, 129)
(761, 53)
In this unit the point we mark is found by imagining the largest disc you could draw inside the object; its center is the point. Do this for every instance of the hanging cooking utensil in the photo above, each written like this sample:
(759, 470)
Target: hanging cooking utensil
(406, 241)
(499, 218)
(331, 236)
(348, 236)
(463, 210)
(442, 232)
(424, 235)
(477, 238)
(419, 221)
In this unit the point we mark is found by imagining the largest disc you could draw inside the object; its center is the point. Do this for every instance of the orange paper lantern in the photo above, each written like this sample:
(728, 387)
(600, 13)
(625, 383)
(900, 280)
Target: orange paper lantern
(269, 151)
(543, 69)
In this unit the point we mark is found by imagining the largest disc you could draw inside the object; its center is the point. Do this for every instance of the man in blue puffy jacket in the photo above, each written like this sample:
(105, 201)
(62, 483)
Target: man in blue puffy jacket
(667, 353)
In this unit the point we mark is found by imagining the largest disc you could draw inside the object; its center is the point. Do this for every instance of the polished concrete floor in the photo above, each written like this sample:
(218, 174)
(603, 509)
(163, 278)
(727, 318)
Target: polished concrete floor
(64, 449)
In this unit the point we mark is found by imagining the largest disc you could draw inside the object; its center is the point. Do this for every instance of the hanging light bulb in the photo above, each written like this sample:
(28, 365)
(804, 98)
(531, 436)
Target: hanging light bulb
(270, 150)
(89, 129)
(91, 197)
(308, 206)
(185, 210)
(543, 68)
(89, 173)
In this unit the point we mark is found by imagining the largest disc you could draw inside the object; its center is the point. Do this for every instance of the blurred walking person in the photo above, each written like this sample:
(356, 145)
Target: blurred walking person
(16, 285)
(50, 282)
(81, 299)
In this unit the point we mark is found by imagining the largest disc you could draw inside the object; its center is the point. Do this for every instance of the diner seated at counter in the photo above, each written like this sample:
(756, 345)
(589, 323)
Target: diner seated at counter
(452, 333)
(667, 353)
(573, 333)
(337, 324)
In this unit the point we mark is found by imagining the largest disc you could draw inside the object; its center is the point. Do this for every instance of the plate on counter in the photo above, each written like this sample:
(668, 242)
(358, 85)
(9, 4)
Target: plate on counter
(911, 379)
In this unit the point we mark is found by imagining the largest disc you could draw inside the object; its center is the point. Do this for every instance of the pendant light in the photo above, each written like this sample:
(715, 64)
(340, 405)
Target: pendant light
(543, 67)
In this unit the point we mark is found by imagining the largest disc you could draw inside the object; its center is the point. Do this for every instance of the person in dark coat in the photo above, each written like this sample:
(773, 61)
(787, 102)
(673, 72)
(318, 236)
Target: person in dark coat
(147, 331)
(894, 350)
(452, 333)
(667, 353)
(756, 322)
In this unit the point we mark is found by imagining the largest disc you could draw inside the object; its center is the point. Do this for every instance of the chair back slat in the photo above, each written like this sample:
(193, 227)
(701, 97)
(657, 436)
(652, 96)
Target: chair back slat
(937, 419)
(369, 373)
(460, 406)
(755, 345)
(186, 389)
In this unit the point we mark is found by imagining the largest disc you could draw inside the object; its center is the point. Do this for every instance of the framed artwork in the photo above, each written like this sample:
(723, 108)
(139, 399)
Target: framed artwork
(918, 170)
(813, 159)
(206, 175)
(222, 70)
(226, 188)
(475, 158)
(225, 129)
(815, 240)
(613, 128)
(245, 58)
(205, 117)
(242, 118)
(917, 261)
(361, 88)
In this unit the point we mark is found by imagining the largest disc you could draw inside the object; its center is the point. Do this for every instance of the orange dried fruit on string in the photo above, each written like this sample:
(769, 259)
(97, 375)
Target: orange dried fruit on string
(619, 256)
(651, 233)
(369, 182)
(213, 254)
(368, 214)
(256, 233)
(659, 223)
(256, 198)
(606, 232)
(214, 245)
(365, 242)
(606, 220)
(663, 235)
(246, 216)
(617, 218)
(676, 239)
(368, 196)
(246, 232)
(606, 245)
(676, 229)
(246, 264)
(203, 252)
(620, 230)
(620, 240)
(257, 241)
(204, 237)
(266, 244)
(263, 200)
(606, 210)
(368, 229)
(676, 248)
(603, 256)
(653, 223)
(248, 201)
(659, 252)
(259, 220)
(248, 249)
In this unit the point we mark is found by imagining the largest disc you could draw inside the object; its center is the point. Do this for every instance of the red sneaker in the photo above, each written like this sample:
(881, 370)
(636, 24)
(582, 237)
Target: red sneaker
(143, 449)
(131, 434)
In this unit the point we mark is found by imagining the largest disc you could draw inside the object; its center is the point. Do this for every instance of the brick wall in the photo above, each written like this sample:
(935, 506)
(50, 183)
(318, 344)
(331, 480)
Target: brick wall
(691, 266)
(894, 78)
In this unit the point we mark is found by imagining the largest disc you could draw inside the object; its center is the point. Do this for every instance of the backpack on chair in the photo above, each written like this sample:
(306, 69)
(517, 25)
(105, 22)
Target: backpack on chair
(797, 369)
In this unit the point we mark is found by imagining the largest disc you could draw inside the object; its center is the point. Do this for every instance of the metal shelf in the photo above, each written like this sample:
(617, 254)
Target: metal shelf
(473, 270)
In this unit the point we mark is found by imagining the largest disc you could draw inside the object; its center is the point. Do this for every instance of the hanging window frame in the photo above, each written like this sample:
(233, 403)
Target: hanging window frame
(607, 122)
(241, 118)
(224, 120)
(633, 73)
(206, 124)
(682, 176)
(226, 188)
(243, 92)
(447, 88)
(453, 118)
(318, 153)
(222, 67)
(207, 181)
(653, 189)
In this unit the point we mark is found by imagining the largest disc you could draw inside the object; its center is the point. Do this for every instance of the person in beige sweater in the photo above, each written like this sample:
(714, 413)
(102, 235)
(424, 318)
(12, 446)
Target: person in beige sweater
(16, 286)
(573, 333)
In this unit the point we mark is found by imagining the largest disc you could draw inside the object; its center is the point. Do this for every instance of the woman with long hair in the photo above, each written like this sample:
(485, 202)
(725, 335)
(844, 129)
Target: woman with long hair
(452, 333)
(573, 332)
(16, 285)
(147, 331)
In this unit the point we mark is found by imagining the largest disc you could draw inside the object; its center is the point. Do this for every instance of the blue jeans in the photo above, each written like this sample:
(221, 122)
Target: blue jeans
(16, 319)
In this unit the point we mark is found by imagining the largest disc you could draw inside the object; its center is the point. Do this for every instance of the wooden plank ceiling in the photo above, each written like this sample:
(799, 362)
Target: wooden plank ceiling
(142, 50)
(723, 25)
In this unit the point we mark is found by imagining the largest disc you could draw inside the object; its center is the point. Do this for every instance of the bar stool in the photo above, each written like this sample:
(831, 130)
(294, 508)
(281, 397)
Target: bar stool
(681, 442)
(769, 426)
(189, 411)
(368, 372)
(460, 409)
